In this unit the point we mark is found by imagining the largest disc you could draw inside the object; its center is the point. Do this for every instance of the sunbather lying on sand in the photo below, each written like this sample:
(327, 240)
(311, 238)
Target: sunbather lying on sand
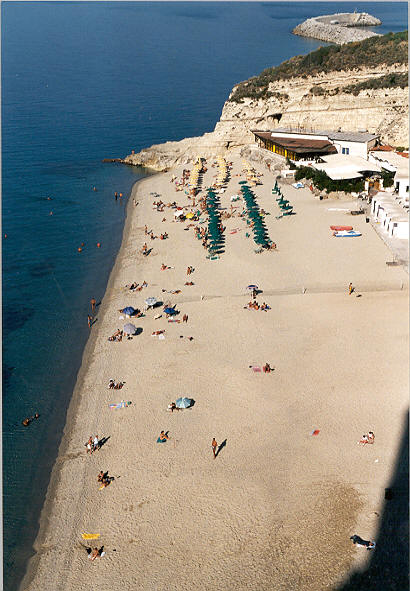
(163, 437)
(117, 336)
(157, 332)
(189, 283)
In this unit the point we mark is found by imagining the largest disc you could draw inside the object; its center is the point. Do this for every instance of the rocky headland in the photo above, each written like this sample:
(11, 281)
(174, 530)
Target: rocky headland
(355, 87)
(340, 28)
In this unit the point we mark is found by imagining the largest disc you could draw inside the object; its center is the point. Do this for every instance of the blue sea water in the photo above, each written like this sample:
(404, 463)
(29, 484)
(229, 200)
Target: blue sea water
(81, 82)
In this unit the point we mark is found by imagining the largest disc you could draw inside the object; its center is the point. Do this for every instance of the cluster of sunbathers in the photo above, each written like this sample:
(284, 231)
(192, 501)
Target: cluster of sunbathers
(367, 438)
(255, 306)
(136, 286)
(113, 385)
(104, 479)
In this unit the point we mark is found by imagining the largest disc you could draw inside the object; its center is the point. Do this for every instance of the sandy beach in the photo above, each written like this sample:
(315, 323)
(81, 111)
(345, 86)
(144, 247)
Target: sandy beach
(276, 508)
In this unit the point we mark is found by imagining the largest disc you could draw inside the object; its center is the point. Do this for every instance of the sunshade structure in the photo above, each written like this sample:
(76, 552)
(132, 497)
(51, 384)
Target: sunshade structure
(151, 301)
(129, 310)
(215, 230)
(252, 287)
(130, 329)
(255, 219)
(183, 402)
(170, 311)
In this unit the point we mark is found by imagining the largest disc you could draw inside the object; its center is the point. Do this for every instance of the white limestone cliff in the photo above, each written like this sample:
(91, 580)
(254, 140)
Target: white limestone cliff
(382, 111)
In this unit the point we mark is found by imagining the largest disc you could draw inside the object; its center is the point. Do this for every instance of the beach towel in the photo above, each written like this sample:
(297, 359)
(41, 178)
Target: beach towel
(122, 404)
(256, 368)
(90, 536)
(161, 337)
(159, 440)
(315, 432)
(173, 320)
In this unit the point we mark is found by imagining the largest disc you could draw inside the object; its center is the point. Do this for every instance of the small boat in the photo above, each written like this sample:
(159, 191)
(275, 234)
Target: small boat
(346, 234)
(341, 228)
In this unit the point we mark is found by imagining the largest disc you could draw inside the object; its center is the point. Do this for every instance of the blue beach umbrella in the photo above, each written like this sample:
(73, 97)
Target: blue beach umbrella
(183, 402)
(169, 311)
(129, 310)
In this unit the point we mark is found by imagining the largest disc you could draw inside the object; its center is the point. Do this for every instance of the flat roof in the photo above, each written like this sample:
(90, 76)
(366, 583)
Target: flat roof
(338, 166)
(299, 146)
(347, 136)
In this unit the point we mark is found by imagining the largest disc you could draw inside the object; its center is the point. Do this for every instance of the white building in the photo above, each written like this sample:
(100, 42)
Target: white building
(394, 162)
(391, 213)
(346, 143)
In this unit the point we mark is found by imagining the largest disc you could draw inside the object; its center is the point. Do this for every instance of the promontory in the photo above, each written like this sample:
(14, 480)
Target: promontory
(360, 86)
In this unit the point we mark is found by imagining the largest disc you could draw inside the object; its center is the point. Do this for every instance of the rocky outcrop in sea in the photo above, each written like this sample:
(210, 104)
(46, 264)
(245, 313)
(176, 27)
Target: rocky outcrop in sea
(338, 28)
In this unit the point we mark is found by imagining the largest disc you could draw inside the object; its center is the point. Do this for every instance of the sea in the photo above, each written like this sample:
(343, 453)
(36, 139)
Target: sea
(84, 81)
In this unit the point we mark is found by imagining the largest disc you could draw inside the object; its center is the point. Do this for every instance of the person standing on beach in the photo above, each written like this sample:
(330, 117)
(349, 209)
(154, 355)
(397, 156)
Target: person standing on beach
(351, 288)
(89, 320)
(214, 446)
(93, 303)
(116, 195)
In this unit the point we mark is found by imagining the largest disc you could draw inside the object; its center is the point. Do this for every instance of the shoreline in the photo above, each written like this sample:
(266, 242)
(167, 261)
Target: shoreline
(274, 494)
(44, 520)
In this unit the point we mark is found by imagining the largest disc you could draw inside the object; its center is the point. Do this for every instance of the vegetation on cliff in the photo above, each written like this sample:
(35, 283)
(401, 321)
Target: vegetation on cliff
(384, 50)
(393, 80)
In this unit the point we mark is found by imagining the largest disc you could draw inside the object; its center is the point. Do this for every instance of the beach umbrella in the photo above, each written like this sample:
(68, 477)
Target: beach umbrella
(190, 215)
(129, 311)
(169, 311)
(130, 329)
(151, 301)
(183, 402)
(252, 287)
(242, 182)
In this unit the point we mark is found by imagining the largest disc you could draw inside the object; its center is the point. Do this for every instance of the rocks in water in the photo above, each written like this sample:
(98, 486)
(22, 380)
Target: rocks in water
(338, 28)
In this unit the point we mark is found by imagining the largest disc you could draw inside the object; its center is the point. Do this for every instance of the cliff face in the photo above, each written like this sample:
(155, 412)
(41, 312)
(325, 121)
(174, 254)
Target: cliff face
(358, 86)
(381, 111)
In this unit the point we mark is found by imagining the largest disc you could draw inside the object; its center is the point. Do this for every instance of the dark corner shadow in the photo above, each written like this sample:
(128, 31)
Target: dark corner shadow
(220, 447)
(388, 569)
(102, 441)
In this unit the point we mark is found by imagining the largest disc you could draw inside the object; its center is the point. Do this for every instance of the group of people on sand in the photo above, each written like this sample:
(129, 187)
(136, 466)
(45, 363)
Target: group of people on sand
(104, 479)
(367, 438)
(93, 444)
(136, 286)
(113, 385)
(253, 305)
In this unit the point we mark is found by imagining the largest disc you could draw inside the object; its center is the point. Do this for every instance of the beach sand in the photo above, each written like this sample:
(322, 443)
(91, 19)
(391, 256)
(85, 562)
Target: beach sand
(276, 508)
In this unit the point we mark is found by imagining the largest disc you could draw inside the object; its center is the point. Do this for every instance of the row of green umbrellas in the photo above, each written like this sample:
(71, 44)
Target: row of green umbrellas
(214, 222)
(260, 236)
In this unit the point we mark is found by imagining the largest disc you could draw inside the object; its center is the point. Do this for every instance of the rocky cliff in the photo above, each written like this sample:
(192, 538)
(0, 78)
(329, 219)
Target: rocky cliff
(360, 98)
